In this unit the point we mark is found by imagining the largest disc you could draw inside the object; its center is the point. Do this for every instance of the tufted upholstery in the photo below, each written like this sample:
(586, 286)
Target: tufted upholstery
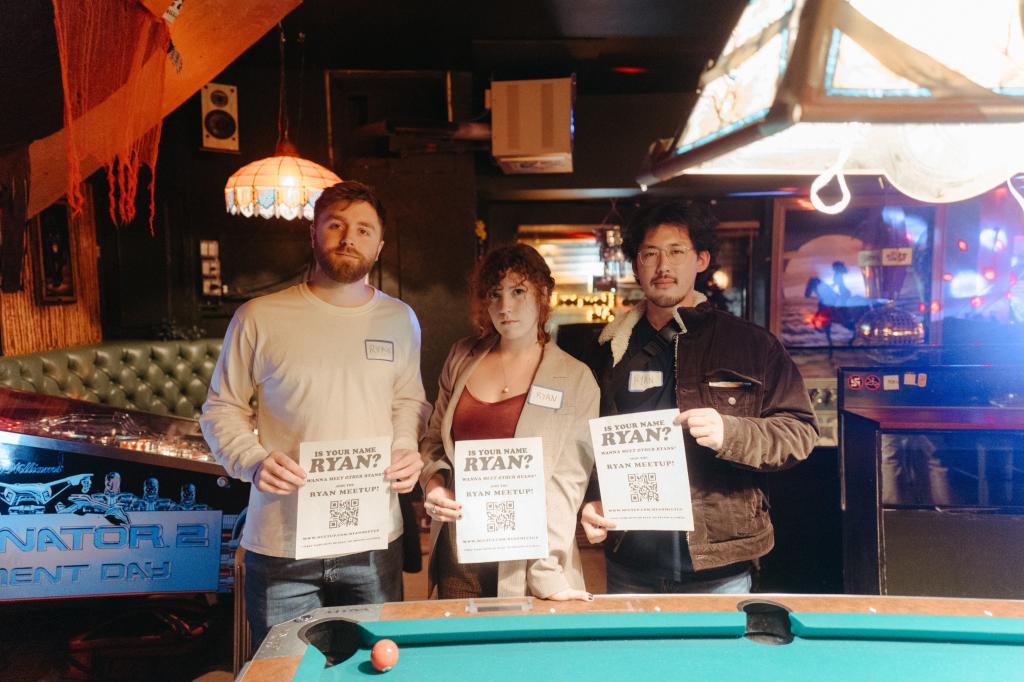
(166, 377)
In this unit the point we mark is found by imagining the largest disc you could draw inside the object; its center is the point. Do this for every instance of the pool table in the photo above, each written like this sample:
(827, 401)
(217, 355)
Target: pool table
(656, 637)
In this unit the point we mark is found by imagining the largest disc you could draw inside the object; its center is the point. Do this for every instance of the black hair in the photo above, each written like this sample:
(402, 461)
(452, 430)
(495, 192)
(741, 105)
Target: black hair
(695, 216)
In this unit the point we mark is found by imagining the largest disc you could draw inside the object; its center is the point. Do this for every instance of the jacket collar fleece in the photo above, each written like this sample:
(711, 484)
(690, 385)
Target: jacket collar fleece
(618, 331)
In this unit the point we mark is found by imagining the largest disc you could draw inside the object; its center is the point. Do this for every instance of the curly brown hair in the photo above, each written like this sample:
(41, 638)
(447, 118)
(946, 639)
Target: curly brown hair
(513, 259)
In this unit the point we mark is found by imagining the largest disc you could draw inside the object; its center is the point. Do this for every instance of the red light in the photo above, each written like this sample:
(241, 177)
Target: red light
(976, 302)
(936, 307)
(989, 274)
(999, 245)
(961, 244)
(629, 70)
(947, 277)
(920, 307)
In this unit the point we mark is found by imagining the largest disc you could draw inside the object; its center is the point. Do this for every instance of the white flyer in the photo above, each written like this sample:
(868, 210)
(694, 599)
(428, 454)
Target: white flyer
(500, 483)
(345, 505)
(641, 466)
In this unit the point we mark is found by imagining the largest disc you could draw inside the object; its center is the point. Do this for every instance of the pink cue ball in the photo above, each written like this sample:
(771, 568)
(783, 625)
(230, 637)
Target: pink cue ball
(384, 655)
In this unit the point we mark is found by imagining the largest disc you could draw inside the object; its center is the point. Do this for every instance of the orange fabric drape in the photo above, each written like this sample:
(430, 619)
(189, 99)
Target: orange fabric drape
(113, 49)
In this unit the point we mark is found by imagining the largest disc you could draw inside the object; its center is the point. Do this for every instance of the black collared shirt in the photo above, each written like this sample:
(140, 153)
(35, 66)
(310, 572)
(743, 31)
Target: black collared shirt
(659, 398)
(657, 553)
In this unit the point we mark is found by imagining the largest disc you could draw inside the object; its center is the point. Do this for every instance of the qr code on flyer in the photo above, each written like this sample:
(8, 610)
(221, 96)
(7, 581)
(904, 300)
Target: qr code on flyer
(643, 487)
(501, 516)
(344, 513)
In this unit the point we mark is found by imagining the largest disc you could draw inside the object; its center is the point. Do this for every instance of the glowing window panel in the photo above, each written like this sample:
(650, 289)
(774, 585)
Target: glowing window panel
(997, 50)
(851, 71)
(759, 45)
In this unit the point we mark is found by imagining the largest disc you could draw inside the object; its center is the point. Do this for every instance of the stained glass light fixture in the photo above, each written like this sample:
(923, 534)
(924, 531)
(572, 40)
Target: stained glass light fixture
(281, 186)
(929, 93)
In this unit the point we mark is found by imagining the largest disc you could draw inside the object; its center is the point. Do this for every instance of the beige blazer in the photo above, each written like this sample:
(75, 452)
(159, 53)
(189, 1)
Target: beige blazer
(568, 460)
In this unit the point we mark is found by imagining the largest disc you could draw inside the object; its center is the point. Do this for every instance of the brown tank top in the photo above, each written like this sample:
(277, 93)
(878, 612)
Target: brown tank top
(474, 420)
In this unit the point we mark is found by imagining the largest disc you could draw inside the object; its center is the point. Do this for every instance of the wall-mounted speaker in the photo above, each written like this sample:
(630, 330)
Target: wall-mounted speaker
(220, 117)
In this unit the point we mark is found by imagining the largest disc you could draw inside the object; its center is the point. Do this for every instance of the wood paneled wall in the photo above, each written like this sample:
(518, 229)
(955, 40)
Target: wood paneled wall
(28, 327)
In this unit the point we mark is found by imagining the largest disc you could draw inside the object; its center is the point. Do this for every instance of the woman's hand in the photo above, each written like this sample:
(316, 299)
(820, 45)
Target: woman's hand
(571, 595)
(439, 502)
(595, 525)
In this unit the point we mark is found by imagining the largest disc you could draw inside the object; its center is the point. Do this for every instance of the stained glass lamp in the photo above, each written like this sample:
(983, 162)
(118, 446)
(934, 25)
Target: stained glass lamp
(929, 93)
(284, 185)
(281, 186)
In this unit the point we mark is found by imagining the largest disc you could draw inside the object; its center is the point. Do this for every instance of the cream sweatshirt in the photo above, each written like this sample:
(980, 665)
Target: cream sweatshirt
(319, 372)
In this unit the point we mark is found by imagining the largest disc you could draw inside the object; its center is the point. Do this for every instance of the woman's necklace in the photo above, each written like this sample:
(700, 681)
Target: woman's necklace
(504, 371)
(504, 375)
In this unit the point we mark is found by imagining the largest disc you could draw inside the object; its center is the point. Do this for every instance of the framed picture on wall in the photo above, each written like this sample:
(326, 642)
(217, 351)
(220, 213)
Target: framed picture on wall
(859, 278)
(53, 257)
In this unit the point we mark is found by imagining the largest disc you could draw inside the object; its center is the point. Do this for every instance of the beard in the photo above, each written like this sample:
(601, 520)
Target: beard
(339, 268)
(670, 298)
(666, 300)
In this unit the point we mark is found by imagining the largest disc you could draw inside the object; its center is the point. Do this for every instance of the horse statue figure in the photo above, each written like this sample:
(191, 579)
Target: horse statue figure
(835, 307)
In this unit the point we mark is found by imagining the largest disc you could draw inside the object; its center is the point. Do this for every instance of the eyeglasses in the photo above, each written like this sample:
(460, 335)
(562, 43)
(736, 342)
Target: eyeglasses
(673, 255)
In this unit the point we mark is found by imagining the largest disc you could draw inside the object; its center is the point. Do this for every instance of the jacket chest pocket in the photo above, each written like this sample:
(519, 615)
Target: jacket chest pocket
(733, 393)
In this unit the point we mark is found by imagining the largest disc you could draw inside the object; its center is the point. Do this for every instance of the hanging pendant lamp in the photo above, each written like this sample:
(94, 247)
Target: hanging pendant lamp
(284, 185)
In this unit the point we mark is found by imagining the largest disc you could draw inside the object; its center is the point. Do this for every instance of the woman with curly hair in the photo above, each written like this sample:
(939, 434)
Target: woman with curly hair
(483, 393)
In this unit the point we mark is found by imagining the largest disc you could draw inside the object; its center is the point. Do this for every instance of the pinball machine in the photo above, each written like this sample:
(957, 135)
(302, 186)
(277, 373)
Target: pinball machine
(97, 500)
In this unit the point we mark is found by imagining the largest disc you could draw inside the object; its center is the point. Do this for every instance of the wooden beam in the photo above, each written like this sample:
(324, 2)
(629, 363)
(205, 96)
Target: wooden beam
(209, 35)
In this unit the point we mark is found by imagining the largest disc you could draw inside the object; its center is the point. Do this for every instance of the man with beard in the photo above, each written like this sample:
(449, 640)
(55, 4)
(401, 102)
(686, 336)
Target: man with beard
(329, 359)
(741, 403)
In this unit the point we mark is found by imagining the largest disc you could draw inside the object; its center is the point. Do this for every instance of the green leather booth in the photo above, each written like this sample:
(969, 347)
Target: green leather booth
(165, 377)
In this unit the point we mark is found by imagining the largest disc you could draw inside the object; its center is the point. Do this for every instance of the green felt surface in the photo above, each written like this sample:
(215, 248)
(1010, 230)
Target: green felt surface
(688, 646)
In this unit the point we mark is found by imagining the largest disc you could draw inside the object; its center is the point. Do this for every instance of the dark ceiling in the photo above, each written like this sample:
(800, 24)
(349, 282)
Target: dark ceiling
(666, 43)
(613, 46)
(32, 104)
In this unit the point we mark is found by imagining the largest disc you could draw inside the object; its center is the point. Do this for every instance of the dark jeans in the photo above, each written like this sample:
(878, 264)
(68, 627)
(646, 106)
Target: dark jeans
(278, 589)
(623, 580)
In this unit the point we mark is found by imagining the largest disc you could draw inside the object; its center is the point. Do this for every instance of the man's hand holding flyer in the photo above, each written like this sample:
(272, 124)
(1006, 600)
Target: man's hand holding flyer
(641, 466)
(344, 506)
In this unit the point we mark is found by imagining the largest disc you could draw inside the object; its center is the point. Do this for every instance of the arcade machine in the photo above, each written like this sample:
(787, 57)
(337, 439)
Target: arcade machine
(932, 469)
(97, 501)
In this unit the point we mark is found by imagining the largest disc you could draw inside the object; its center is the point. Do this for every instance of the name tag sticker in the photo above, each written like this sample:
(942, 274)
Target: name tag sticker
(545, 397)
(644, 381)
(376, 349)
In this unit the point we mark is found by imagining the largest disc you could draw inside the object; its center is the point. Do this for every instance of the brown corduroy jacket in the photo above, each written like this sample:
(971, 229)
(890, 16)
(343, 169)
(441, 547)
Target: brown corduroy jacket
(744, 372)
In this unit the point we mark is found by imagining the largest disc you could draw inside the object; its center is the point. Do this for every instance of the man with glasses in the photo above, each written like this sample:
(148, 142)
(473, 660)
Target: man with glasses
(741, 401)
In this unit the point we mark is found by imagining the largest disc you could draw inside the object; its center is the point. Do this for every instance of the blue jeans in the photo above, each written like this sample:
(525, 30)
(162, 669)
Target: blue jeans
(622, 580)
(278, 589)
